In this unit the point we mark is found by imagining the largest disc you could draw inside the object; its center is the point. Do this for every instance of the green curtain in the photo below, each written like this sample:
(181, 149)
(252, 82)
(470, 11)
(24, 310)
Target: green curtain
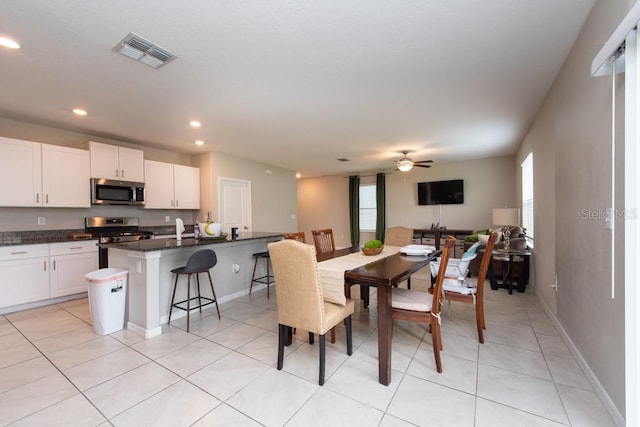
(354, 209)
(380, 206)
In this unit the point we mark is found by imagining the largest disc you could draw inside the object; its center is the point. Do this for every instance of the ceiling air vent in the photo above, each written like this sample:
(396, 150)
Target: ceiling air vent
(140, 49)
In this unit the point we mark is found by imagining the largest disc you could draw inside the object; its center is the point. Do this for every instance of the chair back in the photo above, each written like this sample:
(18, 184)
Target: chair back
(444, 260)
(298, 291)
(398, 236)
(201, 261)
(299, 236)
(323, 240)
(484, 264)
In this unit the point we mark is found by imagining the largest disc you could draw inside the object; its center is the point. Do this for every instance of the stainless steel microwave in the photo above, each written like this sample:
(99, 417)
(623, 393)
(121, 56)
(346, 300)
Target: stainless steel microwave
(114, 192)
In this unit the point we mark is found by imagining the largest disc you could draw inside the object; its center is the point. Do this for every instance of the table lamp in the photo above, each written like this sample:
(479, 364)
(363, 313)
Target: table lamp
(507, 218)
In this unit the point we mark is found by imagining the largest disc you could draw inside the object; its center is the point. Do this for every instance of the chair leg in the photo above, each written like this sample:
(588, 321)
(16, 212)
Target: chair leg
(173, 297)
(409, 283)
(253, 275)
(437, 344)
(215, 299)
(199, 297)
(349, 336)
(333, 335)
(281, 339)
(322, 360)
(268, 277)
(480, 323)
(311, 338)
(188, 299)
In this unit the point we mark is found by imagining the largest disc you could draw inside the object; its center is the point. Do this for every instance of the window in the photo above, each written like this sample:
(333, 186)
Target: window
(368, 208)
(527, 197)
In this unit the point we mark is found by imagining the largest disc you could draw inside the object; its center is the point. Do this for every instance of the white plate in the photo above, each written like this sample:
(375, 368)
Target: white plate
(417, 249)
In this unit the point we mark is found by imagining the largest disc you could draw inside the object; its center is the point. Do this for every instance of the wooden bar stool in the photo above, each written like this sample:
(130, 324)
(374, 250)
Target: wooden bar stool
(266, 279)
(199, 262)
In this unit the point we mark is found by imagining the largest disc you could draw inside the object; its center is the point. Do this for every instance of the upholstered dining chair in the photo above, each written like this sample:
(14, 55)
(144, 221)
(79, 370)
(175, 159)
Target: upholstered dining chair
(419, 306)
(300, 301)
(469, 292)
(398, 236)
(323, 240)
(298, 235)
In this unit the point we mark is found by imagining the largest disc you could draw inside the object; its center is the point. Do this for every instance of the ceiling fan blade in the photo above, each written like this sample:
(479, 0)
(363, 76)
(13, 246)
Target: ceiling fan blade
(421, 166)
(424, 161)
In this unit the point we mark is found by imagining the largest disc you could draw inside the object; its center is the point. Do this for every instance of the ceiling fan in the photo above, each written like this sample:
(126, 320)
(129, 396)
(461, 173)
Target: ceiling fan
(405, 164)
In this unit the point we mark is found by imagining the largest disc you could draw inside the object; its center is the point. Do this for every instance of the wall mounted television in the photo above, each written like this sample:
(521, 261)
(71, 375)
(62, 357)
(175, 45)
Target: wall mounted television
(441, 192)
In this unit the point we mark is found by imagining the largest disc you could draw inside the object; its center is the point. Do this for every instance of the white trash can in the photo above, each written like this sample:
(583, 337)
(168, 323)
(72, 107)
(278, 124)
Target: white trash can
(107, 289)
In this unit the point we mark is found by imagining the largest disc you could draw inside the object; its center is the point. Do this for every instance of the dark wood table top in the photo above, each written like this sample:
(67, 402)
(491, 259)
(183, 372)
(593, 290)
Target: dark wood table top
(390, 270)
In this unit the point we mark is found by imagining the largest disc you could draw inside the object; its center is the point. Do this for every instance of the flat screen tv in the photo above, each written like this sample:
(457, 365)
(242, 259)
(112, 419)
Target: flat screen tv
(441, 192)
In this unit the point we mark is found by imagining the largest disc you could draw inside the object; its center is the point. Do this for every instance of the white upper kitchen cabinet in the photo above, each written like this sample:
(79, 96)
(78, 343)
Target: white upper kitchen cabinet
(65, 177)
(113, 162)
(186, 181)
(20, 173)
(169, 186)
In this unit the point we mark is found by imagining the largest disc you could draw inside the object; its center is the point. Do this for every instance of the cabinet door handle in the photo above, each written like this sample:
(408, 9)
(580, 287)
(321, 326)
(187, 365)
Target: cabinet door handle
(172, 203)
(75, 248)
(122, 173)
(177, 203)
(54, 264)
(47, 198)
(37, 197)
(45, 265)
(18, 253)
(117, 173)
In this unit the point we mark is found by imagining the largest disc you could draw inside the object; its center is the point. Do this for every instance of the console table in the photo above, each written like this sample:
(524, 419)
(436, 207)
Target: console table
(433, 237)
(514, 265)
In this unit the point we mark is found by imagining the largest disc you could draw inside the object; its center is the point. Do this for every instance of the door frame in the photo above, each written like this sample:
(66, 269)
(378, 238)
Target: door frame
(247, 184)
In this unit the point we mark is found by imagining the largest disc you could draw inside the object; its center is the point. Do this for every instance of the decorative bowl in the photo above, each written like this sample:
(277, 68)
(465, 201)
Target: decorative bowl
(372, 251)
(210, 229)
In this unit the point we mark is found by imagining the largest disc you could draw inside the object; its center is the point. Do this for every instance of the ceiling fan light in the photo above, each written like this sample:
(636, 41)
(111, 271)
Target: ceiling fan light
(405, 165)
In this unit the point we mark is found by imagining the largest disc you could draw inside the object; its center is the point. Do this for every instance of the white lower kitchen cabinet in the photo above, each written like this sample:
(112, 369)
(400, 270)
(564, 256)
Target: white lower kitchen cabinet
(70, 262)
(24, 274)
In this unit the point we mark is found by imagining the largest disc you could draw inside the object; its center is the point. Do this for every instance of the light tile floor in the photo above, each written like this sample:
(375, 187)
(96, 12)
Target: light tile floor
(55, 371)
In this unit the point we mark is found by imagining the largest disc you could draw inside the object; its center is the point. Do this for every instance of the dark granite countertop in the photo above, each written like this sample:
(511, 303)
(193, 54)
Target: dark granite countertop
(163, 244)
(10, 238)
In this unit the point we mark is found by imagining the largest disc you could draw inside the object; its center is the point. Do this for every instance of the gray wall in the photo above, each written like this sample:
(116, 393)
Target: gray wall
(273, 195)
(570, 139)
(323, 202)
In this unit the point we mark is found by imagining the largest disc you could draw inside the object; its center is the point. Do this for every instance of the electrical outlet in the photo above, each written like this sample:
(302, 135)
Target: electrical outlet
(167, 218)
(235, 268)
(41, 220)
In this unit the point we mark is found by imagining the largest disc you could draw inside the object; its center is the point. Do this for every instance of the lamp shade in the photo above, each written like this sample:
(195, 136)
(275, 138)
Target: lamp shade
(506, 216)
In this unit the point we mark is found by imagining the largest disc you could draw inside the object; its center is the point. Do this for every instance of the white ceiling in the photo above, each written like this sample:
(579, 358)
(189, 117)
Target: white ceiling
(295, 84)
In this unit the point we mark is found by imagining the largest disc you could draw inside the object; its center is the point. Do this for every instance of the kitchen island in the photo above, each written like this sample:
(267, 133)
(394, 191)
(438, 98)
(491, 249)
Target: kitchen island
(150, 283)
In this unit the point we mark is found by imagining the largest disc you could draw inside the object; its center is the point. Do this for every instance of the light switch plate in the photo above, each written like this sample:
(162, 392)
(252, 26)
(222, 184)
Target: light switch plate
(41, 220)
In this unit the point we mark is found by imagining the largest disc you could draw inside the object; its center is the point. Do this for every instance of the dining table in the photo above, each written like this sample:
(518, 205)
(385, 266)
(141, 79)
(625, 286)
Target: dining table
(383, 273)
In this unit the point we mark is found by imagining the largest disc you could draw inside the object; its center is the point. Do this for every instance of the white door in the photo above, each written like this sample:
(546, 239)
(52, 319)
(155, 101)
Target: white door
(235, 204)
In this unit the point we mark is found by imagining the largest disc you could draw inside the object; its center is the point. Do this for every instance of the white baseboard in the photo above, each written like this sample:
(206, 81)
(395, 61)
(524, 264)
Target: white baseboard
(611, 408)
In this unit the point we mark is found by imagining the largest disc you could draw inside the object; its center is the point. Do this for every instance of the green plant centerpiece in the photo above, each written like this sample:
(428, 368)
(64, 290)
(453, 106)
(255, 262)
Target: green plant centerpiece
(372, 247)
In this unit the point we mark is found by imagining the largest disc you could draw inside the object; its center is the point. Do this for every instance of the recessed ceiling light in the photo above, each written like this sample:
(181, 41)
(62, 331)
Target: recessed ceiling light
(199, 142)
(194, 124)
(9, 42)
(79, 111)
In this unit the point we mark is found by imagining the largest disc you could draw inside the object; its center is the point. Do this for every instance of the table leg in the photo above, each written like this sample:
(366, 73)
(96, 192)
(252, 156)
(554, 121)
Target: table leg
(509, 276)
(384, 334)
(492, 276)
(288, 336)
